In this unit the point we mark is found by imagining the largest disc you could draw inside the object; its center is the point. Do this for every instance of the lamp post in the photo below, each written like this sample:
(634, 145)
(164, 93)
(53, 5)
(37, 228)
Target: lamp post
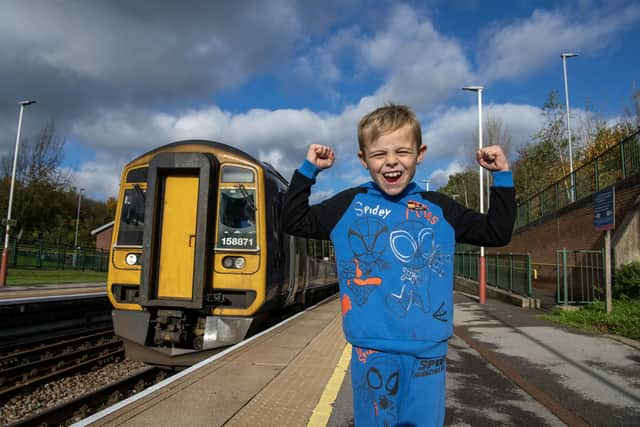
(482, 266)
(75, 241)
(426, 183)
(564, 57)
(5, 251)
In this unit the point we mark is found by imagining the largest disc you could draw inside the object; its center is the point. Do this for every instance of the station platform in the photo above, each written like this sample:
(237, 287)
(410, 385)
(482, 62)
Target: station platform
(506, 366)
(52, 290)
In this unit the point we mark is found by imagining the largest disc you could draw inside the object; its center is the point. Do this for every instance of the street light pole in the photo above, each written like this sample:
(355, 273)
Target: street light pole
(482, 265)
(426, 183)
(75, 241)
(564, 57)
(5, 251)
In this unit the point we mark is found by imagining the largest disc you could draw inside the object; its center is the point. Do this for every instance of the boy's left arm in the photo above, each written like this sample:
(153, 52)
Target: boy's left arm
(496, 226)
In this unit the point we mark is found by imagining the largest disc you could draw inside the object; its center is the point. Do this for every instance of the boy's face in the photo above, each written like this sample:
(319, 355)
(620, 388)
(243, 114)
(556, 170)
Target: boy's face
(391, 160)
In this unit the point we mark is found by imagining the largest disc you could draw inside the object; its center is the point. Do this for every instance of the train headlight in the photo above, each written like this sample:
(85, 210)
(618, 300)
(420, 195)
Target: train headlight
(131, 259)
(239, 262)
(236, 262)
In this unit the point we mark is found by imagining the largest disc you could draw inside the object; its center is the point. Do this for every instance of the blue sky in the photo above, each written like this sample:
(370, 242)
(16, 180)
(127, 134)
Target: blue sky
(119, 78)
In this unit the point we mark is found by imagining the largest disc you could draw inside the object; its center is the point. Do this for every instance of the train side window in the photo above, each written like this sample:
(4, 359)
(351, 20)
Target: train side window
(132, 217)
(236, 174)
(237, 223)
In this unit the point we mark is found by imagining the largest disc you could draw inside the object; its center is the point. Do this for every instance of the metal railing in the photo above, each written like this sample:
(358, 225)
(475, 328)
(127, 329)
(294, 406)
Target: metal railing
(511, 272)
(53, 257)
(579, 276)
(617, 163)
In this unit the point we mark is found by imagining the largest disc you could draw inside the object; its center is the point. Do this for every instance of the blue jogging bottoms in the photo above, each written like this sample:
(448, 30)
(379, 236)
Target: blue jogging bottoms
(397, 390)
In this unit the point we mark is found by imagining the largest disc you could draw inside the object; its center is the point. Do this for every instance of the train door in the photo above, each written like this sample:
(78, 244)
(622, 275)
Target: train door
(297, 269)
(179, 208)
(176, 256)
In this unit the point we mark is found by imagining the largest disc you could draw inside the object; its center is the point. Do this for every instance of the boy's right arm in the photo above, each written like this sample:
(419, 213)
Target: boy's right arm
(300, 219)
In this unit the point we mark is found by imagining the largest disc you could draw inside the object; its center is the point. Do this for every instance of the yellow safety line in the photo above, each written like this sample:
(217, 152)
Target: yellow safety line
(322, 411)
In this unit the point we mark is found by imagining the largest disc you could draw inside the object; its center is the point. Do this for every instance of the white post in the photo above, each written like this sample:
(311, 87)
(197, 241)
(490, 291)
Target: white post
(607, 271)
(75, 241)
(566, 97)
(5, 251)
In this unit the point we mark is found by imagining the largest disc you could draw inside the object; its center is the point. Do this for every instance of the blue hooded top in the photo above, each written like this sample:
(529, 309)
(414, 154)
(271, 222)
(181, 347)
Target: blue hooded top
(394, 256)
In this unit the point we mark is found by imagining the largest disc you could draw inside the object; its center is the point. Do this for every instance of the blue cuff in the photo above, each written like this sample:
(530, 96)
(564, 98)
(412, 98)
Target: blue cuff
(309, 170)
(503, 179)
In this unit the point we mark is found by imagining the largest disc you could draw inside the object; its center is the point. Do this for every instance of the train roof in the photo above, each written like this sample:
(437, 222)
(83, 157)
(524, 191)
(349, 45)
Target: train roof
(211, 144)
(220, 146)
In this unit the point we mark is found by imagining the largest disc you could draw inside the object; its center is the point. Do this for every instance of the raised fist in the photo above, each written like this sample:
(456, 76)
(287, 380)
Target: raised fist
(321, 156)
(492, 158)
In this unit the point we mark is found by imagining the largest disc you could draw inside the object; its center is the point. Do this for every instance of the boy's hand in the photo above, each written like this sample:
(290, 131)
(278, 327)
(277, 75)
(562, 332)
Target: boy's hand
(321, 156)
(492, 158)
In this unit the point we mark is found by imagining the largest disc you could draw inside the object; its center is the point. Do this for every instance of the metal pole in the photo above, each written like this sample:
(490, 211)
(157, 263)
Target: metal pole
(483, 272)
(426, 183)
(5, 251)
(566, 97)
(607, 271)
(482, 264)
(75, 241)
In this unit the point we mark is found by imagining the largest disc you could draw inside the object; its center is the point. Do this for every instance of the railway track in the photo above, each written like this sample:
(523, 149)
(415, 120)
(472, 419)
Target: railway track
(78, 408)
(26, 368)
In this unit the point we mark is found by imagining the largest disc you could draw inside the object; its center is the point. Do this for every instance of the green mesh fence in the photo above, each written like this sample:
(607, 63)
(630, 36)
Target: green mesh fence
(52, 257)
(511, 272)
(617, 163)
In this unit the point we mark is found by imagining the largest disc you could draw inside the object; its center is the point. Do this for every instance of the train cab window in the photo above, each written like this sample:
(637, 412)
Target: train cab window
(132, 217)
(237, 174)
(237, 222)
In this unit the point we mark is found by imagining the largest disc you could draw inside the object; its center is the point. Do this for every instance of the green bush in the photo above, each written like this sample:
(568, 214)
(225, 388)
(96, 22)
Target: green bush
(626, 281)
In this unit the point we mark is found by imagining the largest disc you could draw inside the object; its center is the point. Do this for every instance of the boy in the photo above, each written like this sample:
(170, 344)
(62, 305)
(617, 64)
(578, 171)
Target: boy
(394, 248)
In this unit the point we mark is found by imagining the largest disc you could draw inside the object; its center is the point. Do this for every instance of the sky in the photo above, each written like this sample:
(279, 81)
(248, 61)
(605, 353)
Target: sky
(121, 77)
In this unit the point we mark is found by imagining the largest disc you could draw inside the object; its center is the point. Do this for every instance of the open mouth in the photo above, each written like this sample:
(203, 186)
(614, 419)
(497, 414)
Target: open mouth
(392, 177)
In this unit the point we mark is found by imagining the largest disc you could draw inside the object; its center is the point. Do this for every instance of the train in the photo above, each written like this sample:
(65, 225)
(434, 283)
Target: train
(198, 258)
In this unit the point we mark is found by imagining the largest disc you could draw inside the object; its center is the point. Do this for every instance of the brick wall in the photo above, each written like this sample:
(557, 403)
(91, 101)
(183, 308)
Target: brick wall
(571, 228)
(103, 239)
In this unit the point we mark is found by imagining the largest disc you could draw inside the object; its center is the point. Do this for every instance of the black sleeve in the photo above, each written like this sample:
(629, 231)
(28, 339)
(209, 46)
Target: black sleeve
(317, 221)
(492, 229)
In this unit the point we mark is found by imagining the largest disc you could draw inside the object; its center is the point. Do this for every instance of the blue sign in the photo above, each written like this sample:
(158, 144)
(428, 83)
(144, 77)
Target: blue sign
(603, 209)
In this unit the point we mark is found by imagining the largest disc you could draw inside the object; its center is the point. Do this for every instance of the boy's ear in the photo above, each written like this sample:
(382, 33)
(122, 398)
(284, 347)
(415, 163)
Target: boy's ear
(421, 152)
(362, 160)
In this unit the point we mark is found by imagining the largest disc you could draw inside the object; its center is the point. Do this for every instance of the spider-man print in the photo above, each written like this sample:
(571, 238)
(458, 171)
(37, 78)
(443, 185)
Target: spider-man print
(368, 239)
(380, 385)
(413, 245)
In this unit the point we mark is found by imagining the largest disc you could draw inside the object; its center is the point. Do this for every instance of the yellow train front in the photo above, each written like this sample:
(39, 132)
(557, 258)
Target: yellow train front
(198, 257)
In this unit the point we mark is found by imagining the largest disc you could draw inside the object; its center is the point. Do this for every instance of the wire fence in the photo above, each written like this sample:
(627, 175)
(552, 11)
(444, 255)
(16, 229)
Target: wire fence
(39, 255)
(580, 276)
(511, 272)
(617, 163)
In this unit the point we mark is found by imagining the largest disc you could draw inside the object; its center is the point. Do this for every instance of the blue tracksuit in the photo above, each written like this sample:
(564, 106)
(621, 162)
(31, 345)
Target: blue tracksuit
(395, 266)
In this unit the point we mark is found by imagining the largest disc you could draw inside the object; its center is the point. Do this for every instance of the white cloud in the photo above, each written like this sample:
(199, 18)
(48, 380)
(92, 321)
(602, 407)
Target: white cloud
(422, 65)
(515, 50)
(100, 177)
(439, 177)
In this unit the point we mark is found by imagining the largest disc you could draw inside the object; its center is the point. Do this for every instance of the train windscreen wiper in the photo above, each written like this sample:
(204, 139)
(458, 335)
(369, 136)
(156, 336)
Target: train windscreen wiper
(247, 196)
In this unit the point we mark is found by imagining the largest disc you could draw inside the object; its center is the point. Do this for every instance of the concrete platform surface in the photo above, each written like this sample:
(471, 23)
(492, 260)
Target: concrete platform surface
(506, 366)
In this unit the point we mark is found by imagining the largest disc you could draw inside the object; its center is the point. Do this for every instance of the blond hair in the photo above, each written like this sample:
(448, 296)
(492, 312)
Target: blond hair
(387, 119)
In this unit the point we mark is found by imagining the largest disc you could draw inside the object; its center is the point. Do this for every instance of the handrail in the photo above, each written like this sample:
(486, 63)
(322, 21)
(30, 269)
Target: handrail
(589, 178)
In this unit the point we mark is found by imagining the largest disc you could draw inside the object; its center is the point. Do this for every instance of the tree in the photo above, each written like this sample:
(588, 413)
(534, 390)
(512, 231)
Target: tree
(463, 186)
(493, 133)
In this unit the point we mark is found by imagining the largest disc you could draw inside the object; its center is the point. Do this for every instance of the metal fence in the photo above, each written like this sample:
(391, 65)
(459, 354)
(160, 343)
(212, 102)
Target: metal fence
(52, 257)
(580, 276)
(615, 164)
(509, 271)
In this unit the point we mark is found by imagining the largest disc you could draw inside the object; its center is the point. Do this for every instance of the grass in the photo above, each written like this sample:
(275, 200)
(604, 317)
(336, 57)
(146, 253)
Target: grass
(624, 319)
(23, 276)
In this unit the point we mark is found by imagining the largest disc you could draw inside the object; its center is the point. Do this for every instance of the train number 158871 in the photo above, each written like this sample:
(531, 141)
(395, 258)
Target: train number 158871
(237, 241)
